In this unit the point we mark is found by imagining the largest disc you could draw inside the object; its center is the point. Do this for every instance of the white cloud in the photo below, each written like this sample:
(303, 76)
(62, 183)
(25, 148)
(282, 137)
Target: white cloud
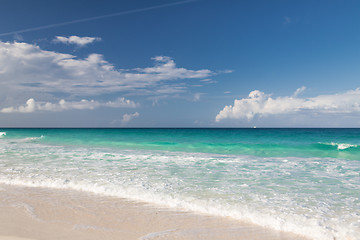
(208, 80)
(128, 117)
(32, 106)
(27, 108)
(299, 90)
(26, 68)
(165, 68)
(79, 41)
(261, 104)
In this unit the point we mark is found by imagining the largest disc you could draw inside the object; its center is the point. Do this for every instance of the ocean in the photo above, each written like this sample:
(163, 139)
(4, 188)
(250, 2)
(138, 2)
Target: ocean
(305, 181)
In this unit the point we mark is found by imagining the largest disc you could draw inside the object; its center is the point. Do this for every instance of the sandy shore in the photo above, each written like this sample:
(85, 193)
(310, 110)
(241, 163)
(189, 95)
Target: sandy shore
(13, 238)
(41, 214)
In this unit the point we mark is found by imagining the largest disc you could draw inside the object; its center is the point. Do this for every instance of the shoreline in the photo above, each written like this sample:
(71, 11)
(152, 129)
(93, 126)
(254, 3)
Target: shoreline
(36, 213)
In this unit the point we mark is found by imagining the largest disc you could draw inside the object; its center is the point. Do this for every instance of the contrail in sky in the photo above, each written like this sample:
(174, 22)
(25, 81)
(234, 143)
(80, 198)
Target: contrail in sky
(96, 18)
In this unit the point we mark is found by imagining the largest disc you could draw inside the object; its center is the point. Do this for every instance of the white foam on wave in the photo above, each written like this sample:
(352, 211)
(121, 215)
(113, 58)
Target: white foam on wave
(2, 134)
(33, 138)
(130, 174)
(342, 146)
(277, 221)
(27, 139)
(162, 201)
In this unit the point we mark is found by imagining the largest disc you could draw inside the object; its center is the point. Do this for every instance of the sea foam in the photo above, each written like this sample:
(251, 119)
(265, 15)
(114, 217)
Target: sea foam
(312, 196)
(184, 181)
(341, 146)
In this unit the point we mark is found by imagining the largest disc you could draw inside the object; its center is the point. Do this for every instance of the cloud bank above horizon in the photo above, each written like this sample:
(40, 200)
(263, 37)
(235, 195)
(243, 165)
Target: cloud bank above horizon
(32, 106)
(42, 75)
(262, 105)
(31, 68)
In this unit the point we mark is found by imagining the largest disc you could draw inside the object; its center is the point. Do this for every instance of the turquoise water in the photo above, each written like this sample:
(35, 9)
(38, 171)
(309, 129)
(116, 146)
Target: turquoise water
(305, 181)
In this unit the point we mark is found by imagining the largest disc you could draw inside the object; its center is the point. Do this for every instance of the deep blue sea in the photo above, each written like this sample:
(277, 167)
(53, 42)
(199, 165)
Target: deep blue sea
(304, 181)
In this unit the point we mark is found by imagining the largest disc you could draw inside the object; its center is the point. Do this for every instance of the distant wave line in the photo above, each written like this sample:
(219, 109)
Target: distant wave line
(96, 18)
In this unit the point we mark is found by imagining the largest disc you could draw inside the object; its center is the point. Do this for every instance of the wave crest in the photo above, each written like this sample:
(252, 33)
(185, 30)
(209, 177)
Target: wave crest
(341, 146)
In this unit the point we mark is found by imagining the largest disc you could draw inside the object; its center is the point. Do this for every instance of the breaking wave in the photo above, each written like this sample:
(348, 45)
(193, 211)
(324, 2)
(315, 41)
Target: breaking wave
(341, 146)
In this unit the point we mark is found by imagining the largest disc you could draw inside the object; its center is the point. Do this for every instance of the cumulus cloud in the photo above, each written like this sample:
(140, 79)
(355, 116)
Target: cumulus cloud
(128, 117)
(32, 106)
(79, 41)
(28, 68)
(27, 108)
(260, 104)
(165, 68)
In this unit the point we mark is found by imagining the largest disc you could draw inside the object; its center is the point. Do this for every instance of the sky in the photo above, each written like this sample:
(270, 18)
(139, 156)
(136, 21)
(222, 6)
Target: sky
(173, 63)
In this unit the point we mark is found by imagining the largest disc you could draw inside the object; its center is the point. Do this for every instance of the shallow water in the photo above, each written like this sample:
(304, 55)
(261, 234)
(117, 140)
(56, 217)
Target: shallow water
(304, 181)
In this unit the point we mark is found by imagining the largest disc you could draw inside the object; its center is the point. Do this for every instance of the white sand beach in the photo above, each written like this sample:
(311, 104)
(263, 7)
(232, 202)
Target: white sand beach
(28, 213)
(13, 238)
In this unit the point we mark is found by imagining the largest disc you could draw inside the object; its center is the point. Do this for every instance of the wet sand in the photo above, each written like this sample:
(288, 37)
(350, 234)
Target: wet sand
(28, 213)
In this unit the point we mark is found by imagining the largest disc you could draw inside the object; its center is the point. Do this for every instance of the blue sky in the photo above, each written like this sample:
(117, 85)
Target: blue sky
(205, 63)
